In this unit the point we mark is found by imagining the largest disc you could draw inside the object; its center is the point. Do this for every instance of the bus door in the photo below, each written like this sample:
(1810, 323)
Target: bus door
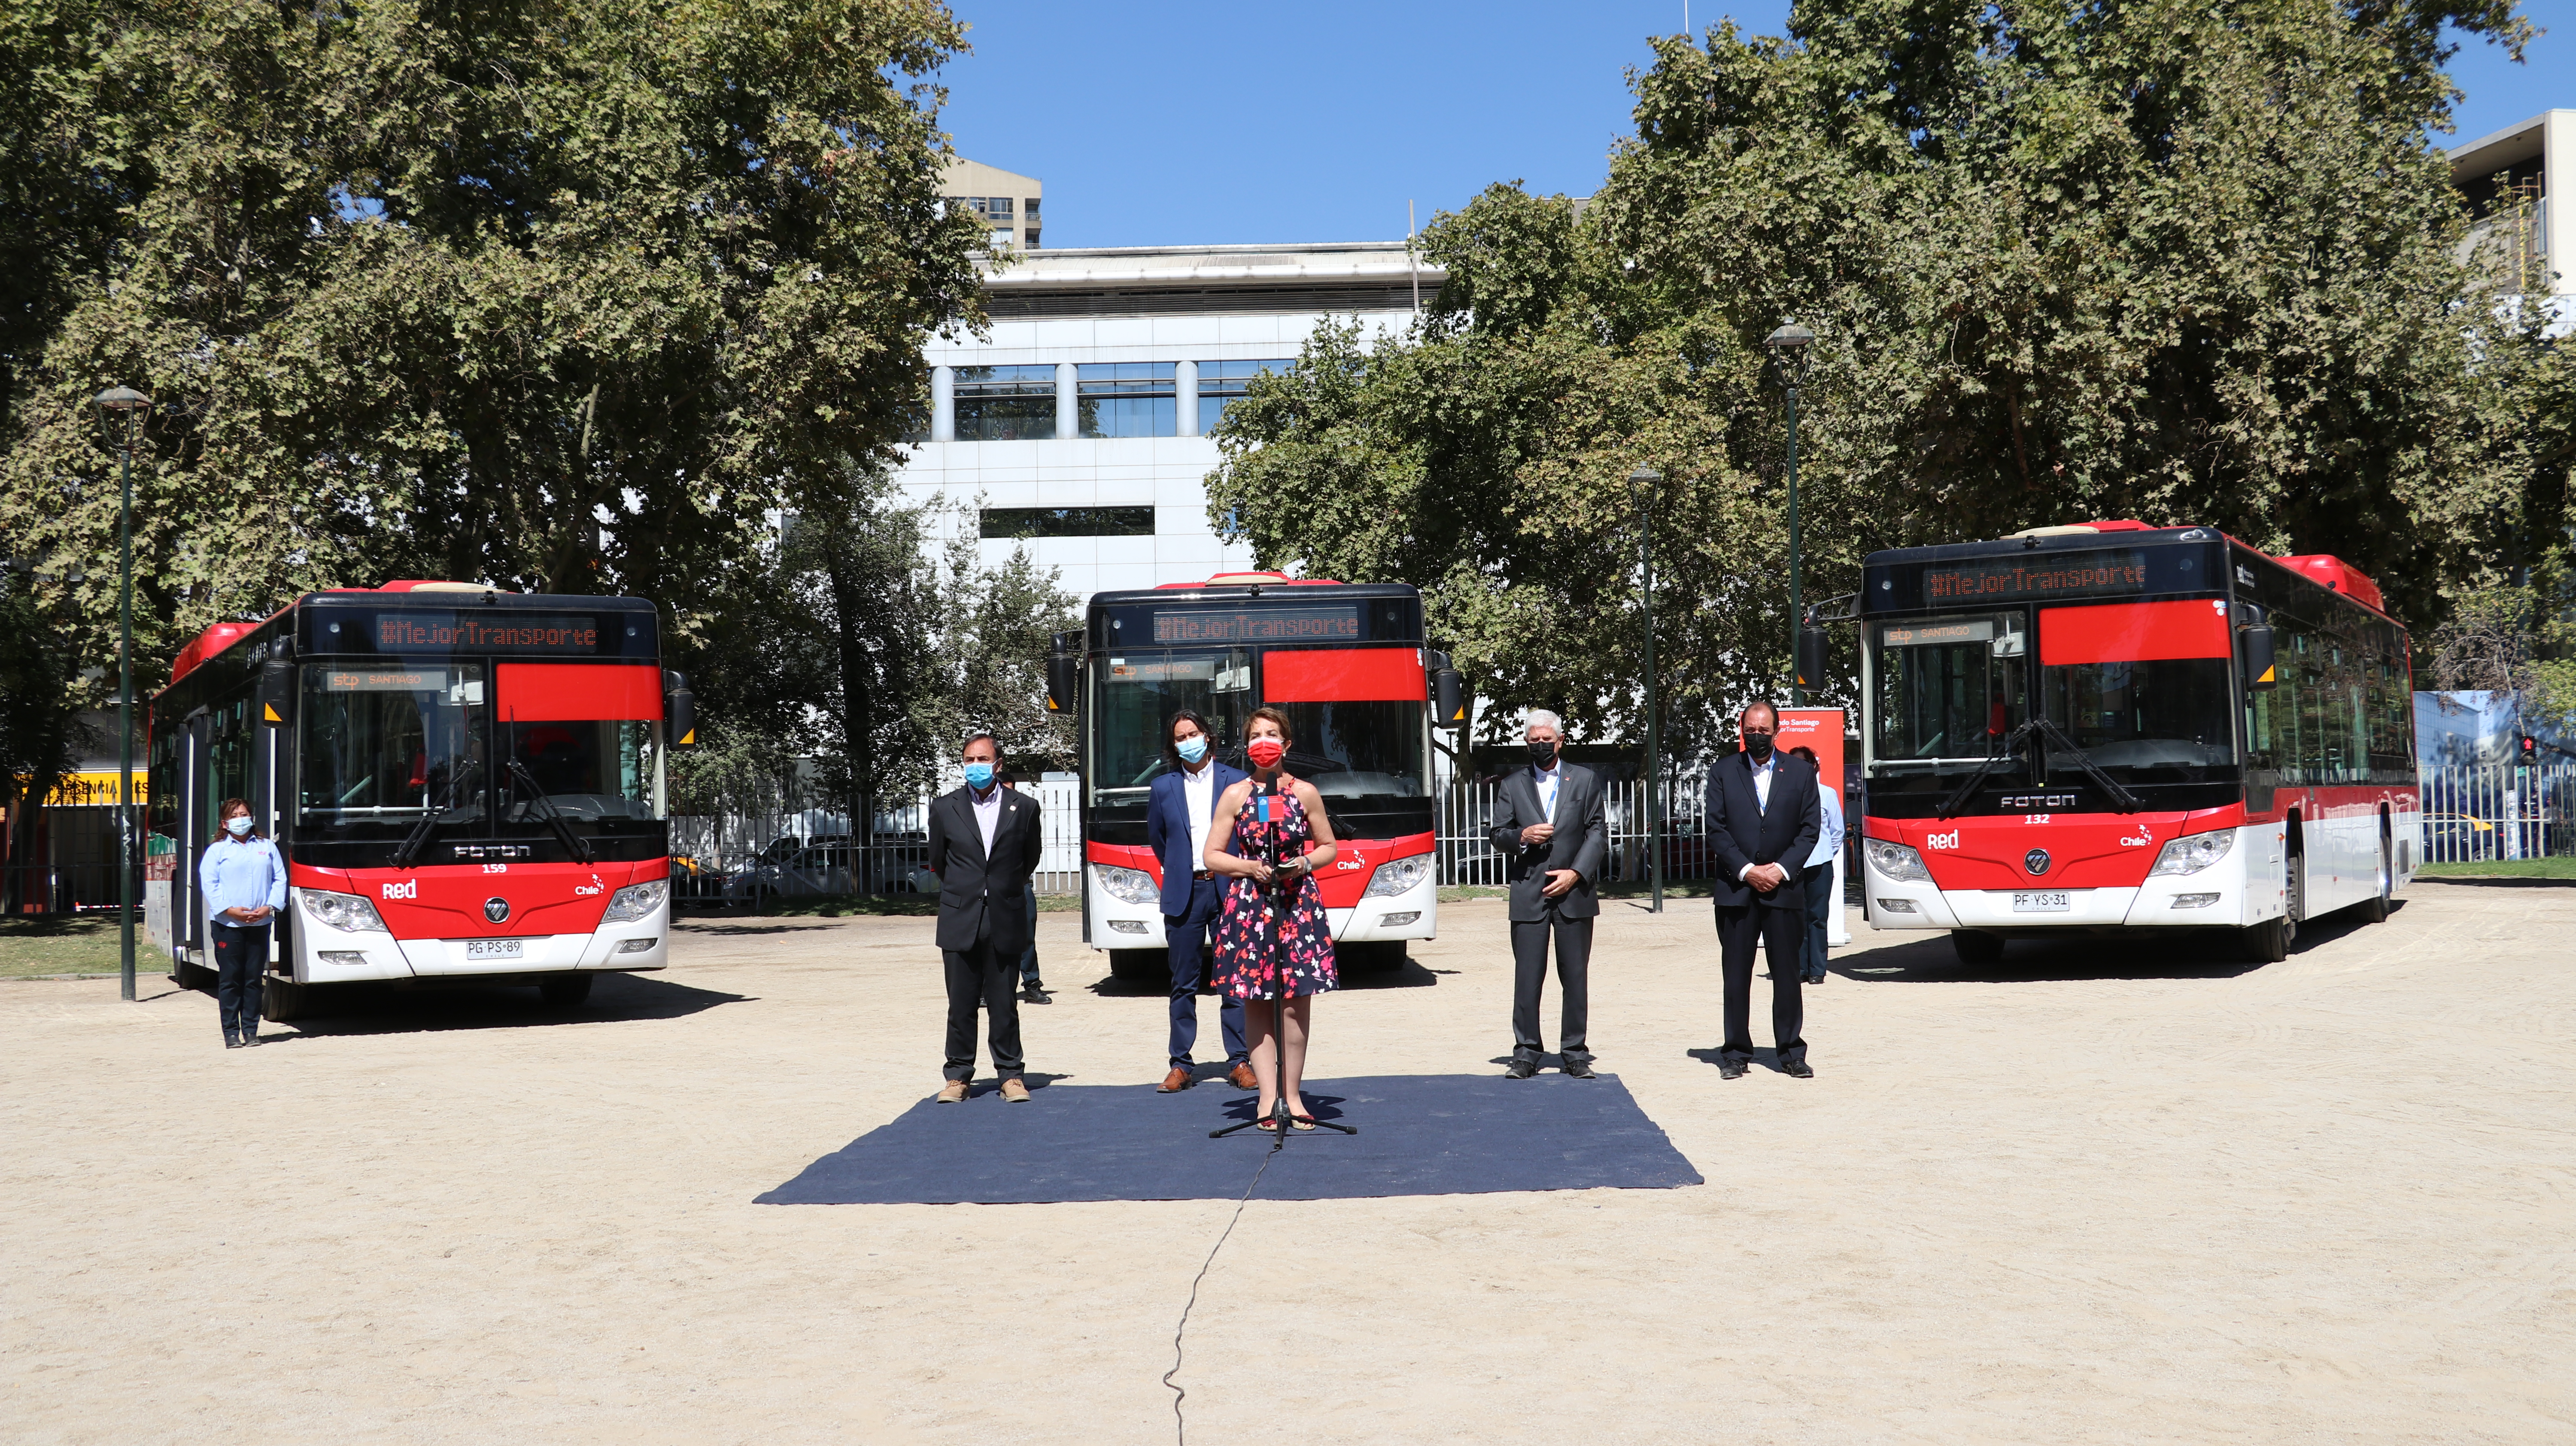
(196, 821)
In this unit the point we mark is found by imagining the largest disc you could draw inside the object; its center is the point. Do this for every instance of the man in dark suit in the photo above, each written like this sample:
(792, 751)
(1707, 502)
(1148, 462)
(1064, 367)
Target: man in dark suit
(1762, 821)
(1553, 835)
(984, 844)
(1178, 813)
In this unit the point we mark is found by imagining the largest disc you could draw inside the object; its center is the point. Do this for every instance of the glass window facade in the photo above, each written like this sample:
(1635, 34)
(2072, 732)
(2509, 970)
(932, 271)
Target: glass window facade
(1127, 399)
(1018, 522)
(1005, 404)
(1221, 382)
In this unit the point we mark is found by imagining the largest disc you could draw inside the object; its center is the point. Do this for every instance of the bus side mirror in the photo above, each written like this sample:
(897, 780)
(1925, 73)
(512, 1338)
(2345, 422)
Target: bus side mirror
(1064, 672)
(1450, 700)
(2254, 648)
(1811, 657)
(679, 710)
(276, 693)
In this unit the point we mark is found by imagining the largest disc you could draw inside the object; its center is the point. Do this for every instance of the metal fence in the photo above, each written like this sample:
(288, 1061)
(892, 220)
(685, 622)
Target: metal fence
(783, 846)
(2480, 813)
(1468, 856)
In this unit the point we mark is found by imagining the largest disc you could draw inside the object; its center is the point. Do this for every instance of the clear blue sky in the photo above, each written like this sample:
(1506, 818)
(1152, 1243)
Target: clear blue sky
(1154, 123)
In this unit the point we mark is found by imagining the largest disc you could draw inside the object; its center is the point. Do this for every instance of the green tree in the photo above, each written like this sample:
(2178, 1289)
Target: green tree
(2178, 262)
(565, 295)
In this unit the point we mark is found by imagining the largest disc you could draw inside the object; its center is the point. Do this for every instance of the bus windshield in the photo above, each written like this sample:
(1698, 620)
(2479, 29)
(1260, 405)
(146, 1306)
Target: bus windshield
(1946, 692)
(385, 746)
(1361, 756)
(2153, 722)
(591, 770)
(1134, 699)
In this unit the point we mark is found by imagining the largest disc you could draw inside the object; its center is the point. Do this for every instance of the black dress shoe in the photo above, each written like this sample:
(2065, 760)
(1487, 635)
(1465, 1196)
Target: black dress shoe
(1730, 1069)
(1797, 1069)
(231, 1043)
(1035, 995)
(1578, 1069)
(1520, 1069)
(250, 1041)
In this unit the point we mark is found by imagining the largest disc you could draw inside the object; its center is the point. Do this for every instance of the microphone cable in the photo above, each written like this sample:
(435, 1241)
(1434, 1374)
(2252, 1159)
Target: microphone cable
(1180, 1424)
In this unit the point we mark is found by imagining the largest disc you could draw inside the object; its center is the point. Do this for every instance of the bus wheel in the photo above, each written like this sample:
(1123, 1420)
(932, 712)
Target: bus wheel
(283, 1001)
(1976, 947)
(2269, 941)
(563, 991)
(1142, 966)
(2376, 910)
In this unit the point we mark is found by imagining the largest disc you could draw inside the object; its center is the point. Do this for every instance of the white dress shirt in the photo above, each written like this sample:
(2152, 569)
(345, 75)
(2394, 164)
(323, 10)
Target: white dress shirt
(1763, 773)
(988, 814)
(1549, 779)
(1198, 795)
(1829, 839)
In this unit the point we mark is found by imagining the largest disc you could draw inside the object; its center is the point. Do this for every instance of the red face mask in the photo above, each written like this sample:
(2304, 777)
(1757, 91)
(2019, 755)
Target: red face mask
(1265, 751)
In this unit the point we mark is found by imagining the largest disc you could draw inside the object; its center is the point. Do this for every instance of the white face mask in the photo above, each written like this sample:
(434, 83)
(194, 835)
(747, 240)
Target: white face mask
(237, 825)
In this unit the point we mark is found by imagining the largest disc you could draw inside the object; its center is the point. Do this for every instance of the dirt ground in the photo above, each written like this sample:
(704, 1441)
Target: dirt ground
(2095, 1193)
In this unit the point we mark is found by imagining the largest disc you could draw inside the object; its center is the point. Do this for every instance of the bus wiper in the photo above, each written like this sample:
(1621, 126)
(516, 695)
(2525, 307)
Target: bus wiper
(572, 845)
(1967, 788)
(418, 838)
(2121, 798)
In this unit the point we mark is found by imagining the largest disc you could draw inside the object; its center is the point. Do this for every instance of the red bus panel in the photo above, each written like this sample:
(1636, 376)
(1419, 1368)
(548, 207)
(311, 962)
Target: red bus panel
(1343, 675)
(2133, 632)
(614, 692)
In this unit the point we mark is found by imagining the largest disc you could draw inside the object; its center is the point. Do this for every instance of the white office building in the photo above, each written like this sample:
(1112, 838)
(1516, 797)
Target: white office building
(1077, 427)
(2520, 184)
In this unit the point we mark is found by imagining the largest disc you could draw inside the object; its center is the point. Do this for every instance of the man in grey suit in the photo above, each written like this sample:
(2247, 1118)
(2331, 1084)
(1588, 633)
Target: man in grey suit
(1552, 831)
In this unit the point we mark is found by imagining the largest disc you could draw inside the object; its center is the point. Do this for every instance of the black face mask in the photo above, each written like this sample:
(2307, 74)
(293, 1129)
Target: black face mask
(1541, 754)
(1757, 744)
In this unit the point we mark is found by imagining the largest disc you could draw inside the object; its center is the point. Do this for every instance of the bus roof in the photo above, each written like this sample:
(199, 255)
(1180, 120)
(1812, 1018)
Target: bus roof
(2331, 572)
(416, 592)
(1245, 584)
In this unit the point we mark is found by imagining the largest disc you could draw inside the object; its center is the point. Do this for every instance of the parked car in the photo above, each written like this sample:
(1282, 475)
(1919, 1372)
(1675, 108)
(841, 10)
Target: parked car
(827, 864)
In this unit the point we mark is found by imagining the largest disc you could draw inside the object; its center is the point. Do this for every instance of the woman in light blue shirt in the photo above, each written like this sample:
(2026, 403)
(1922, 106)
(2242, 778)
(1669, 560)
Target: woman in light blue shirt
(1819, 877)
(244, 882)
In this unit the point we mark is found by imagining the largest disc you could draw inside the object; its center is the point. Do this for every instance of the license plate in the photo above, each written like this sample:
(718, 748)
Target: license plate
(509, 948)
(2052, 902)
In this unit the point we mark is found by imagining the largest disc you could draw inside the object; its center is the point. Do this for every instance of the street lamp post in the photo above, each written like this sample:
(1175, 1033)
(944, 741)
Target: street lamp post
(1789, 364)
(120, 416)
(1641, 485)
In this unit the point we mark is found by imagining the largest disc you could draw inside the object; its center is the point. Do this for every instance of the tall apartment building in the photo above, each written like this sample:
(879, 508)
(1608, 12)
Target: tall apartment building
(1007, 202)
(1078, 426)
(2521, 188)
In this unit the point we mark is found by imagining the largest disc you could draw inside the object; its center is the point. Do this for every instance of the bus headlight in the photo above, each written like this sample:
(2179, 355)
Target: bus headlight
(1397, 875)
(1128, 886)
(1896, 862)
(349, 913)
(2193, 852)
(635, 901)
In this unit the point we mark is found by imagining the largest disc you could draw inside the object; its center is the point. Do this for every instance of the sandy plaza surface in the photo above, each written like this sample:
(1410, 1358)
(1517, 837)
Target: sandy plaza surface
(2096, 1193)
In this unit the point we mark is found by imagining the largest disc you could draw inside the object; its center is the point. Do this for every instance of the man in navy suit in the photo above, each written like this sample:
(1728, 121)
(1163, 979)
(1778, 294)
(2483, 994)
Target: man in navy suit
(1178, 814)
(1762, 821)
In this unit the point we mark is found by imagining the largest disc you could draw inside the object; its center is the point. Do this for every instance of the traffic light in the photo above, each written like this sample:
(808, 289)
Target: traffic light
(2527, 748)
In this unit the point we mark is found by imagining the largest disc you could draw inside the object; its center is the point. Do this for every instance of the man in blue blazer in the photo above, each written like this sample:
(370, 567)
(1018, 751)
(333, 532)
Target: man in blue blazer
(1762, 821)
(1178, 814)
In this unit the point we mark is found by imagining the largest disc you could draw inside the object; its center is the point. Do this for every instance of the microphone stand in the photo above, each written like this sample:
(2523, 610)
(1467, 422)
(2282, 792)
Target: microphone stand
(1279, 897)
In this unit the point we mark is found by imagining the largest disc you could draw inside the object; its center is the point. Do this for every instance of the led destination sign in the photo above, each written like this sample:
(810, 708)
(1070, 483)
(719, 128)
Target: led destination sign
(1924, 635)
(1258, 625)
(492, 632)
(2115, 571)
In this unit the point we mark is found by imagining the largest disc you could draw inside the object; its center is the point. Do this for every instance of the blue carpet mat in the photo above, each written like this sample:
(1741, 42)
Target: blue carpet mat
(1419, 1135)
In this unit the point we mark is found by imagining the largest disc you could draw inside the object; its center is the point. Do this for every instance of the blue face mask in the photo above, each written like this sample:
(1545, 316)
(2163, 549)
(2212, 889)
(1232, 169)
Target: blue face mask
(1193, 748)
(979, 776)
(237, 825)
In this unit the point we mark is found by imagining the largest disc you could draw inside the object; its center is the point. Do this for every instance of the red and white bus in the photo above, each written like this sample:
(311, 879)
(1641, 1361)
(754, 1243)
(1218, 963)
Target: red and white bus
(1344, 661)
(464, 783)
(2114, 726)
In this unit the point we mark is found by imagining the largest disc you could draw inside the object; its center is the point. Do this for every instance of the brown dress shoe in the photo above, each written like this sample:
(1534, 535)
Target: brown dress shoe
(1242, 1078)
(1014, 1092)
(1178, 1080)
(952, 1092)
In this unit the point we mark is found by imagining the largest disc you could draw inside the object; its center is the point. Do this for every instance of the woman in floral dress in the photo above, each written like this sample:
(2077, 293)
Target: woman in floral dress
(1274, 947)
